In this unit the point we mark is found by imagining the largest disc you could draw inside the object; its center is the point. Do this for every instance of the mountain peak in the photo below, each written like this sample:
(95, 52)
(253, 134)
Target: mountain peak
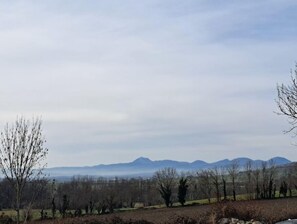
(142, 160)
(280, 160)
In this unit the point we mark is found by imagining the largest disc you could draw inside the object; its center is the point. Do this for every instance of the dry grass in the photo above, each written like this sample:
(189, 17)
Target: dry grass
(267, 211)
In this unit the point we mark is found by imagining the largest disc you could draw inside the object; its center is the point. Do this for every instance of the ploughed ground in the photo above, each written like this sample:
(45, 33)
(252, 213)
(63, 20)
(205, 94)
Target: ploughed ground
(266, 211)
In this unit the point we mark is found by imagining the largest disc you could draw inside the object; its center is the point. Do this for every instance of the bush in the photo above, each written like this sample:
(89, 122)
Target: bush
(4, 219)
(242, 211)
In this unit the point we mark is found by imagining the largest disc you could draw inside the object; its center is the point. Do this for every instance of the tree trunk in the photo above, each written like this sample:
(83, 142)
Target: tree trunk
(218, 193)
(257, 188)
(18, 203)
(234, 193)
(224, 189)
(270, 189)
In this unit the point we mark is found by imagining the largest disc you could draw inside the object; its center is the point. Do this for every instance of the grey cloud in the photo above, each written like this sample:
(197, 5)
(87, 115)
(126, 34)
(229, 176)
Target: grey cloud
(154, 79)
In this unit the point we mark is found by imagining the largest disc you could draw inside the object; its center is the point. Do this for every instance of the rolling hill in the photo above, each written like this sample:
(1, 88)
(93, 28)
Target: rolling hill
(145, 167)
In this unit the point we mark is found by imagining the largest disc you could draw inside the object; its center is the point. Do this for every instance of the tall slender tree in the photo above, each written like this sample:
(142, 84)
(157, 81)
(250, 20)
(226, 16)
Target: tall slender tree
(233, 171)
(215, 178)
(182, 190)
(248, 177)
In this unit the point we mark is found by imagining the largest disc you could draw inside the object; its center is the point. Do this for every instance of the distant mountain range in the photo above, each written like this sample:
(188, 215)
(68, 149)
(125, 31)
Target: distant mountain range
(145, 167)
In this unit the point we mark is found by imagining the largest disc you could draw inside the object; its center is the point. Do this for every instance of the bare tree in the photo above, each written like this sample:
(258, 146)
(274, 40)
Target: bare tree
(272, 172)
(290, 176)
(265, 180)
(249, 183)
(21, 155)
(287, 100)
(215, 178)
(205, 183)
(233, 171)
(224, 177)
(256, 175)
(166, 179)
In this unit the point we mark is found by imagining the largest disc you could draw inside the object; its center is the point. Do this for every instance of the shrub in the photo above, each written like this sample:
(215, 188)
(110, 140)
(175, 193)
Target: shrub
(182, 220)
(242, 211)
(4, 219)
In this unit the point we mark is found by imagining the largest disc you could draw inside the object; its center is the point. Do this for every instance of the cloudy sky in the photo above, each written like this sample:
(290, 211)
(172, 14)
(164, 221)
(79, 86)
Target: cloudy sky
(182, 80)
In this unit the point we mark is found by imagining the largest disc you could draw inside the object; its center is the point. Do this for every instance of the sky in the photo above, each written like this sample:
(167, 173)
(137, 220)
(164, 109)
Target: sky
(182, 80)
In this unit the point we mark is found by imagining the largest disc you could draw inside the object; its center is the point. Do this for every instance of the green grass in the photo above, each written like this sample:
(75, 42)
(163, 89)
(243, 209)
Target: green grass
(35, 213)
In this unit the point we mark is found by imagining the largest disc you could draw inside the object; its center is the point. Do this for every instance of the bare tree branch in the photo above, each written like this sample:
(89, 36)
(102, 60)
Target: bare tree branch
(287, 101)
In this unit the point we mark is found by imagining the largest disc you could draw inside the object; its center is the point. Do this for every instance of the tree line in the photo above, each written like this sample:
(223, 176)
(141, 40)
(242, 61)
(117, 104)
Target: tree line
(89, 195)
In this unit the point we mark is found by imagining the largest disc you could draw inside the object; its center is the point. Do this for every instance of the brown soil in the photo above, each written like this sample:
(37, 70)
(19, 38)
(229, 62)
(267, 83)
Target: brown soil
(267, 211)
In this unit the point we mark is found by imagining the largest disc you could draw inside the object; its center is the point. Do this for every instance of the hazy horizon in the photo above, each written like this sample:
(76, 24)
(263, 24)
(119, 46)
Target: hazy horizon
(180, 80)
(158, 160)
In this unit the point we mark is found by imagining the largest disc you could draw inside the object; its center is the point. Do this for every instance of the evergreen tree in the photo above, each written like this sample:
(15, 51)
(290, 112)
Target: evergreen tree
(182, 190)
(65, 205)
